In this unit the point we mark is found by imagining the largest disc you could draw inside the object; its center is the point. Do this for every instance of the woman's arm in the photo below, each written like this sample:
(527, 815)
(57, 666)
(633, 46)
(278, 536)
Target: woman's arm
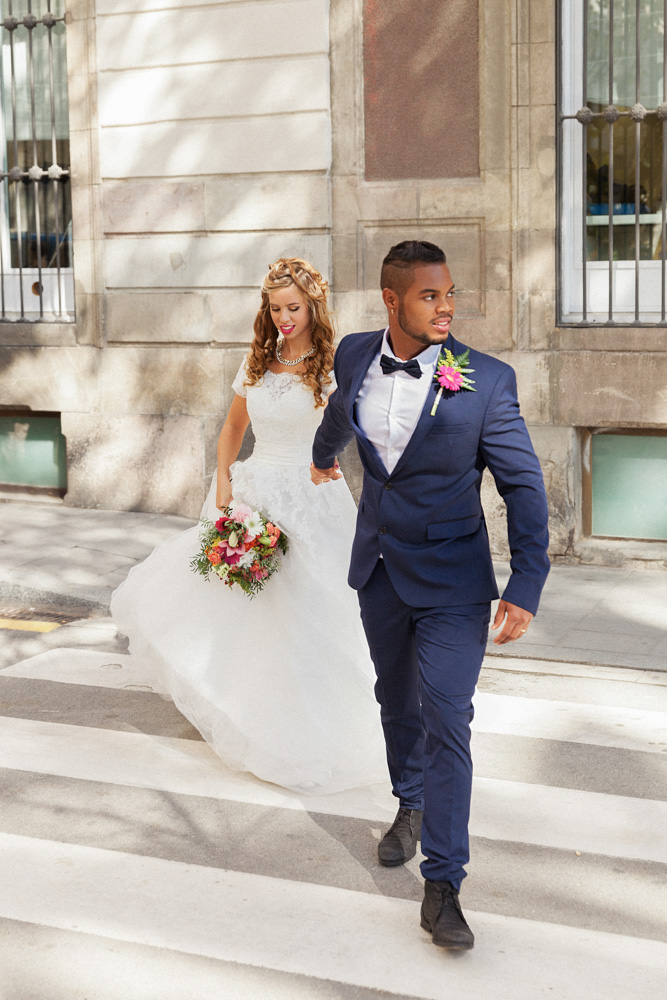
(229, 445)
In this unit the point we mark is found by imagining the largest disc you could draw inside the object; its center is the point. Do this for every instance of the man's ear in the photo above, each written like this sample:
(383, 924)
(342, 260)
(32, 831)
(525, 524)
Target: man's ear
(390, 299)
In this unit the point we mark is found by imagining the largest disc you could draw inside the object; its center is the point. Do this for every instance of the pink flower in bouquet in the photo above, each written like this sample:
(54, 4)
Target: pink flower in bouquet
(274, 541)
(242, 512)
(449, 378)
(221, 522)
(230, 553)
(260, 574)
(214, 557)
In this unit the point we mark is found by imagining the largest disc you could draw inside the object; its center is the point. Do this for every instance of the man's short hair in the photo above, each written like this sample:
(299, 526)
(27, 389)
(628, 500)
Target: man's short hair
(402, 259)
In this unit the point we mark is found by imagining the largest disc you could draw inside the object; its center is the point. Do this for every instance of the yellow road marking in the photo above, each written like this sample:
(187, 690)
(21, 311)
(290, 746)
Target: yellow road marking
(19, 626)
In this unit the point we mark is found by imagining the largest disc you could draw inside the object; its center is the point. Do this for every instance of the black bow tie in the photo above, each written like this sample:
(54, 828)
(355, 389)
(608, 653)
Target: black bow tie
(389, 365)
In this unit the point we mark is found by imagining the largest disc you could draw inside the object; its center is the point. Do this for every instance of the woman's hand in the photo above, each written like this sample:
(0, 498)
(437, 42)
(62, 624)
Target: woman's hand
(320, 476)
(223, 496)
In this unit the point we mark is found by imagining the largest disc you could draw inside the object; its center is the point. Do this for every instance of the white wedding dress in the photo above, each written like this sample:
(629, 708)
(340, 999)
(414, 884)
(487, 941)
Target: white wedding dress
(280, 685)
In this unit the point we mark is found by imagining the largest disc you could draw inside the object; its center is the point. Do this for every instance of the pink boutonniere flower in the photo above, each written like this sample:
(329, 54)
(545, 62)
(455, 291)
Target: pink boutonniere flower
(451, 373)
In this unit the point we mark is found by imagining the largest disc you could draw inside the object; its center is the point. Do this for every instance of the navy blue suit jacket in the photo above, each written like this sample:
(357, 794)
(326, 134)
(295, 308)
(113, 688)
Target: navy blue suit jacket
(426, 517)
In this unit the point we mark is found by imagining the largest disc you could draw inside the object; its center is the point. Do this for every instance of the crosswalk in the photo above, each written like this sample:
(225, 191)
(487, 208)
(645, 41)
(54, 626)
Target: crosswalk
(134, 865)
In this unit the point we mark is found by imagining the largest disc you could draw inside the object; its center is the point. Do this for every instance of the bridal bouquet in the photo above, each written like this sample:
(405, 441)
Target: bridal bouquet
(241, 547)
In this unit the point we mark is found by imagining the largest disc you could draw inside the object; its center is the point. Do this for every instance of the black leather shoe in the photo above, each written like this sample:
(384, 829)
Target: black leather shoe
(442, 916)
(399, 843)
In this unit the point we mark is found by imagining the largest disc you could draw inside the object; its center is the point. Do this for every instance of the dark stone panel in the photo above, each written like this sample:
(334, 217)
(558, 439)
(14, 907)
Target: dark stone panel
(421, 88)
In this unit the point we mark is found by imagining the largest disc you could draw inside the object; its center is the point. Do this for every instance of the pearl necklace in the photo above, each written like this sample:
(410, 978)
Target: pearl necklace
(297, 361)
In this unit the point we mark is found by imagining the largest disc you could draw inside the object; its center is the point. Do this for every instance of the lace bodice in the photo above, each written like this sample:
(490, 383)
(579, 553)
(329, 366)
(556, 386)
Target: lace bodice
(283, 416)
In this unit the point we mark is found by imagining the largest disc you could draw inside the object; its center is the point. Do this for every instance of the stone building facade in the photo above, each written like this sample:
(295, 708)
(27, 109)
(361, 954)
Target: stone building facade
(208, 139)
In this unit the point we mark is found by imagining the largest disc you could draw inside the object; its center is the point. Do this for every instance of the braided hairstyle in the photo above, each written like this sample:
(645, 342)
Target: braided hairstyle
(295, 271)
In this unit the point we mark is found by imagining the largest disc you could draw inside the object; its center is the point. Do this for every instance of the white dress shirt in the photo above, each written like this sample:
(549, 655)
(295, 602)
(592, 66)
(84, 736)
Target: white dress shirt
(389, 406)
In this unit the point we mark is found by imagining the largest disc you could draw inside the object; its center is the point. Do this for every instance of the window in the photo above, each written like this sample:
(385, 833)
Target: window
(613, 162)
(32, 453)
(625, 484)
(36, 280)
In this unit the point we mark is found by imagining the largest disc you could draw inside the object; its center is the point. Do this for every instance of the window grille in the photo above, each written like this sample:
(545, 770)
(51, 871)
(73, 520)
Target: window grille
(612, 138)
(36, 278)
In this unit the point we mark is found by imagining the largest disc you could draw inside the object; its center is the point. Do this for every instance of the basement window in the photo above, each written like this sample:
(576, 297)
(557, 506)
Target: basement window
(32, 453)
(625, 484)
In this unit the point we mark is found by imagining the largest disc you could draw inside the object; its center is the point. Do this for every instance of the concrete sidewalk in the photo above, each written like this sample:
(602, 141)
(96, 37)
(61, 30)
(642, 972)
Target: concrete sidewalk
(65, 557)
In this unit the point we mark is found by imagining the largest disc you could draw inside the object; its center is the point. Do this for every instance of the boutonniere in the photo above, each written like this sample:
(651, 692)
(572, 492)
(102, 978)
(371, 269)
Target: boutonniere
(451, 373)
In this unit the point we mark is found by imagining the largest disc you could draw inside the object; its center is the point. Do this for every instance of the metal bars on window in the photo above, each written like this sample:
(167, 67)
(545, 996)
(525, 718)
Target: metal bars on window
(612, 146)
(36, 281)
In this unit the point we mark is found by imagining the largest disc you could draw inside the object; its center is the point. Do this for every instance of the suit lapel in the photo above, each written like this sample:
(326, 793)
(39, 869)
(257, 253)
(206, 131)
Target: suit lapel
(364, 362)
(425, 421)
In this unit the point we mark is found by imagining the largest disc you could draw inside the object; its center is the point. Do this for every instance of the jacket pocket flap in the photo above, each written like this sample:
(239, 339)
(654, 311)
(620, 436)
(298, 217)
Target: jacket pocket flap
(453, 529)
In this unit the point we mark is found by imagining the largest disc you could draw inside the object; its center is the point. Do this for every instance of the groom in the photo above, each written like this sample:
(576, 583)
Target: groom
(427, 424)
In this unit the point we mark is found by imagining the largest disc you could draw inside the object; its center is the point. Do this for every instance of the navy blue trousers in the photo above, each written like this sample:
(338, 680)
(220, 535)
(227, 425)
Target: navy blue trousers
(427, 662)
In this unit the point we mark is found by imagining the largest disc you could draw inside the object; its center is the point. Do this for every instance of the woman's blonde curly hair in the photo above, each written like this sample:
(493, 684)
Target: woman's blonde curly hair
(313, 287)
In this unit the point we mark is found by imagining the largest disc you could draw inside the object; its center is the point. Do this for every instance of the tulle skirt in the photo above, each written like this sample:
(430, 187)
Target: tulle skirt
(281, 684)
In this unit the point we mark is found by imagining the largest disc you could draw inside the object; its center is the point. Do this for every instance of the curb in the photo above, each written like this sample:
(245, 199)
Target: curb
(49, 600)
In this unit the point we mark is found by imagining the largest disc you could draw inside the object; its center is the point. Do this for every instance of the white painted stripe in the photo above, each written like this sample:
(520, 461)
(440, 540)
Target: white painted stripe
(597, 725)
(34, 959)
(569, 819)
(505, 810)
(329, 933)
(183, 767)
(82, 666)
(572, 722)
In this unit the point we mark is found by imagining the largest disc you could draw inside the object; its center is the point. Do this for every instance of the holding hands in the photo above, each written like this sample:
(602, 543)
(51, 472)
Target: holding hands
(320, 476)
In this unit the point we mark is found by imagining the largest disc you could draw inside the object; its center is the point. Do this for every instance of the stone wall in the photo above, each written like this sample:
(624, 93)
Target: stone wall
(207, 140)
(200, 142)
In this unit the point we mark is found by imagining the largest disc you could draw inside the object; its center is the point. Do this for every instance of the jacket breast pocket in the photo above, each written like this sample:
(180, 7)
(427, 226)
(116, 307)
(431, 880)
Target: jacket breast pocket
(453, 529)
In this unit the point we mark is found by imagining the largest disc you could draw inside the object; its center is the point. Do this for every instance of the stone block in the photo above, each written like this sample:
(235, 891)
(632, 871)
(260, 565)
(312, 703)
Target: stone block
(214, 261)
(542, 318)
(37, 335)
(169, 381)
(601, 389)
(385, 201)
(542, 21)
(630, 338)
(522, 71)
(137, 462)
(461, 239)
(212, 427)
(189, 317)
(536, 260)
(287, 201)
(82, 168)
(49, 378)
(496, 89)
(558, 451)
(498, 260)
(142, 6)
(153, 206)
(214, 90)
(533, 376)
(214, 34)
(542, 73)
(227, 146)
(86, 212)
(344, 251)
(489, 198)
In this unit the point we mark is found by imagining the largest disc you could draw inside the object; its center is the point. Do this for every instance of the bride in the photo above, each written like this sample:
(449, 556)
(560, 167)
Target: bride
(280, 685)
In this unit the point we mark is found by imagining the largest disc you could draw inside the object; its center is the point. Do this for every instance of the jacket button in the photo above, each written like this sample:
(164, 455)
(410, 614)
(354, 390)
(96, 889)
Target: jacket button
(389, 486)
(382, 530)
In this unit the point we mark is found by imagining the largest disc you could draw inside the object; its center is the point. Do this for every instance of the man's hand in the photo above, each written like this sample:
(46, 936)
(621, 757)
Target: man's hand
(320, 476)
(516, 623)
